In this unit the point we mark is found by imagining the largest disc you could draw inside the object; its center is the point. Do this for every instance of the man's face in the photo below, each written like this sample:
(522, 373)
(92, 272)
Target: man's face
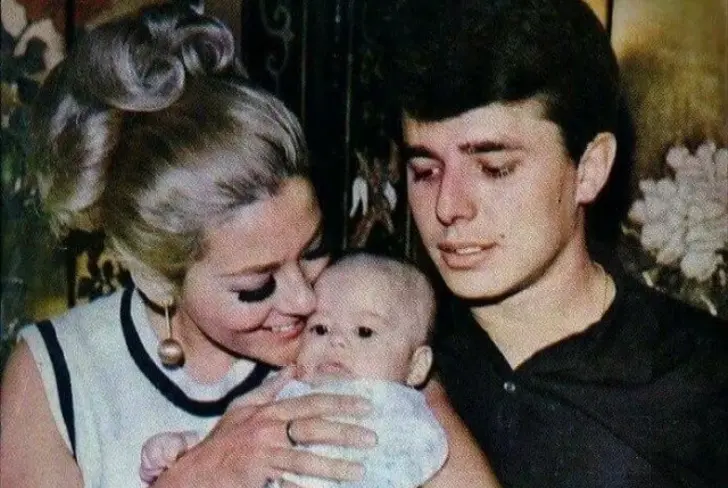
(355, 332)
(492, 192)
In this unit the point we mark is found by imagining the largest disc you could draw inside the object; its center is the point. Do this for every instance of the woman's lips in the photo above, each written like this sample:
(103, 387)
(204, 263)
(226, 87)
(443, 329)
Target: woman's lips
(287, 331)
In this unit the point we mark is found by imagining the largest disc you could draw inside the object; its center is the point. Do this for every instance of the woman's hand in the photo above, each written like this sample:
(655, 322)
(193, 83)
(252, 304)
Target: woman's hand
(250, 444)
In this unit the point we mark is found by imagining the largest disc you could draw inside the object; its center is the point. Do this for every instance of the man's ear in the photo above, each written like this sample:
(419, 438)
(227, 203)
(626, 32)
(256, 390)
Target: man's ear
(420, 364)
(594, 167)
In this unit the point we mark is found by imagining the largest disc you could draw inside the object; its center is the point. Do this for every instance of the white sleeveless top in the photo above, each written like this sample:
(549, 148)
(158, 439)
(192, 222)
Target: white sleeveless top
(109, 392)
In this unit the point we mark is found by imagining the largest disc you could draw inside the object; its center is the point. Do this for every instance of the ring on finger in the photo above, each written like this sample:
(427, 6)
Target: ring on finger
(289, 435)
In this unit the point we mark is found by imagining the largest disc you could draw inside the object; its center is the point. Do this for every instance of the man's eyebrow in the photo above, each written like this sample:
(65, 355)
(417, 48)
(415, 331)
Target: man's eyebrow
(485, 146)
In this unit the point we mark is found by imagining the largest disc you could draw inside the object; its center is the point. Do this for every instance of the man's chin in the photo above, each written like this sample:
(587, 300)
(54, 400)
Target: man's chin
(477, 291)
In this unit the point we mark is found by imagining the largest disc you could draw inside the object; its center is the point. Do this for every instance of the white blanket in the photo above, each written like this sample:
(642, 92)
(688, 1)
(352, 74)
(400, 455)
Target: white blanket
(411, 444)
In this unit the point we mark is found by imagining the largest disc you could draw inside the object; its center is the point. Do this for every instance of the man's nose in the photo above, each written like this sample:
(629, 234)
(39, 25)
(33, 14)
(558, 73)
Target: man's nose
(454, 199)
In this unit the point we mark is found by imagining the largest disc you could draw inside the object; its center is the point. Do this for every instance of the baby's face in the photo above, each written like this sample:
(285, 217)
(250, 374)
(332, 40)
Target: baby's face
(356, 331)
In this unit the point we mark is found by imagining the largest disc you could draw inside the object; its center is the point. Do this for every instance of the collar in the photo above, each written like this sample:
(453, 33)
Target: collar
(620, 347)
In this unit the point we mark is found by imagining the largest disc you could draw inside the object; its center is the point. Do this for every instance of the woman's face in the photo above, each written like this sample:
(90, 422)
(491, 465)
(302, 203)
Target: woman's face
(251, 291)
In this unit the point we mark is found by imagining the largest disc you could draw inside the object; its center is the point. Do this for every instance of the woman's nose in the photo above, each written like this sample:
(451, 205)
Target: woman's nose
(296, 296)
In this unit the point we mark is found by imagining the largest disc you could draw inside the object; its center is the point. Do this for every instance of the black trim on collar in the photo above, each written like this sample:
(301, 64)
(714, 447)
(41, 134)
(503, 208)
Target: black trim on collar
(167, 387)
(63, 378)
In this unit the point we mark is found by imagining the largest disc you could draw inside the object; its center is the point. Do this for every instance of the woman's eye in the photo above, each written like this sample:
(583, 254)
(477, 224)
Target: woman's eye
(364, 332)
(258, 294)
(319, 329)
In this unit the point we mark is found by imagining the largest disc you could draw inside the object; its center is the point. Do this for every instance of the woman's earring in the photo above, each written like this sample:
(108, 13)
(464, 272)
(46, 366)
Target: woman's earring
(170, 350)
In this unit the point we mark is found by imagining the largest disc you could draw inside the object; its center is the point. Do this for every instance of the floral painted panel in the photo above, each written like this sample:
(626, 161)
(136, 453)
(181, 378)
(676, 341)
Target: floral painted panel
(674, 60)
(601, 8)
(35, 282)
(32, 267)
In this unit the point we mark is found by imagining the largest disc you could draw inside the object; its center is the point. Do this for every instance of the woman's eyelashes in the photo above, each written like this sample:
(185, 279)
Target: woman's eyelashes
(258, 294)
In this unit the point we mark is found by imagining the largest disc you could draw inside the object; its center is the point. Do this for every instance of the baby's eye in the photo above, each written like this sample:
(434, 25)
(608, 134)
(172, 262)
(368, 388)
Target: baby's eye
(319, 329)
(364, 332)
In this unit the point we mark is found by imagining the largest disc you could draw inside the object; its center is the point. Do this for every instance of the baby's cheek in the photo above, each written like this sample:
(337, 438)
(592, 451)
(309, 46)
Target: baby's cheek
(304, 365)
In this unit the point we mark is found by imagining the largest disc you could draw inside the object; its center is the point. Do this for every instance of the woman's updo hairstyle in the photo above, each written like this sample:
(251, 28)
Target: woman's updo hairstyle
(150, 131)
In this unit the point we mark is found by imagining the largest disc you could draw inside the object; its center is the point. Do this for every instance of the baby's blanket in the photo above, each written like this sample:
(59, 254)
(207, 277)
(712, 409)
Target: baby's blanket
(411, 444)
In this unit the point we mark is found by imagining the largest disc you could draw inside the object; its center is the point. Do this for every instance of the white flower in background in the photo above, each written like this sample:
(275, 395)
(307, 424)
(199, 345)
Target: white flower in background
(13, 17)
(15, 22)
(44, 30)
(686, 218)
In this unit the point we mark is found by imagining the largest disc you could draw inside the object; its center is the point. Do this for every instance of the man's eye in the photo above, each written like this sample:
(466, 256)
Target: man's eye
(423, 173)
(319, 329)
(498, 172)
(258, 294)
(364, 332)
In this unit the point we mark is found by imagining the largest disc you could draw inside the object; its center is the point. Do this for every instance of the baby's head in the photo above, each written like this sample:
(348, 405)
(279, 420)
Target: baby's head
(373, 319)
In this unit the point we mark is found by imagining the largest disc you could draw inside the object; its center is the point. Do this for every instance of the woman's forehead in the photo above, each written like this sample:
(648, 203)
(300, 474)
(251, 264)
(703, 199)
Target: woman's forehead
(268, 231)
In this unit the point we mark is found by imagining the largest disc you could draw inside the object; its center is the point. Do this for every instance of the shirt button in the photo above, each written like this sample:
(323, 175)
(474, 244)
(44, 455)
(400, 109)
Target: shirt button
(509, 386)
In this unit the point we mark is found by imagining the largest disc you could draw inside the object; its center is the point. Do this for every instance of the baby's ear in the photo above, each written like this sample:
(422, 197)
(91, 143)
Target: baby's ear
(420, 365)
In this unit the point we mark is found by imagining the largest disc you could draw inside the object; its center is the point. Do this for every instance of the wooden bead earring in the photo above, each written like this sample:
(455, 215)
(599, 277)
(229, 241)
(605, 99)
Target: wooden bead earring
(170, 350)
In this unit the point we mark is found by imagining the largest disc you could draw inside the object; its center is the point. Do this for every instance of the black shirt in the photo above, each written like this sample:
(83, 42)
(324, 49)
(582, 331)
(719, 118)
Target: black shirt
(639, 399)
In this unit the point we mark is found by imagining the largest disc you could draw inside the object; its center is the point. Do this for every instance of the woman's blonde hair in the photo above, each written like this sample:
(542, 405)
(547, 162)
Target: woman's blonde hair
(151, 131)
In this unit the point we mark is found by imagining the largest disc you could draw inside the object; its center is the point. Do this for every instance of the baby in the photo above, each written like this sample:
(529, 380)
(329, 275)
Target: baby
(368, 337)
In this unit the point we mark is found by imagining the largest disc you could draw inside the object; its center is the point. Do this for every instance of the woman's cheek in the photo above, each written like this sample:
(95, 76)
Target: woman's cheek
(246, 317)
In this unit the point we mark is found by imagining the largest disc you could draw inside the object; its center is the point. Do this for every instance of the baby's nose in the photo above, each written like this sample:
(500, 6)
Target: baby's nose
(337, 339)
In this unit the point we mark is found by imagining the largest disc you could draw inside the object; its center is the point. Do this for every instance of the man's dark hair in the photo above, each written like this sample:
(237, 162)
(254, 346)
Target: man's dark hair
(444, 57)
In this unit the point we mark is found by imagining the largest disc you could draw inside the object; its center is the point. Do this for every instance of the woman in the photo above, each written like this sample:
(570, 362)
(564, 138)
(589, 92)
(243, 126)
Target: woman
(201, 183)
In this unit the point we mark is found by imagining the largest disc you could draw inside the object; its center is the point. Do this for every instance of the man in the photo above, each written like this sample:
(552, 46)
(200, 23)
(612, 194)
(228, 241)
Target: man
(567, 374)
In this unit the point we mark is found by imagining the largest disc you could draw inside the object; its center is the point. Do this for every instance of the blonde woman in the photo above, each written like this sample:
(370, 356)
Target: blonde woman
(200, 181)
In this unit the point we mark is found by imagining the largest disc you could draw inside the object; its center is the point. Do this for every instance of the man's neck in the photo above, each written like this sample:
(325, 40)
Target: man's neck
(567, 297)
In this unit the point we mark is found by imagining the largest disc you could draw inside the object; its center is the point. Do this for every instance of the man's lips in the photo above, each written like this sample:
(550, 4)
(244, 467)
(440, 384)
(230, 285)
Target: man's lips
(463, 255)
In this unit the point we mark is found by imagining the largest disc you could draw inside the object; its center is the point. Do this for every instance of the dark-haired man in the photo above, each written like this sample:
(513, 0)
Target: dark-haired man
(567, 373)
